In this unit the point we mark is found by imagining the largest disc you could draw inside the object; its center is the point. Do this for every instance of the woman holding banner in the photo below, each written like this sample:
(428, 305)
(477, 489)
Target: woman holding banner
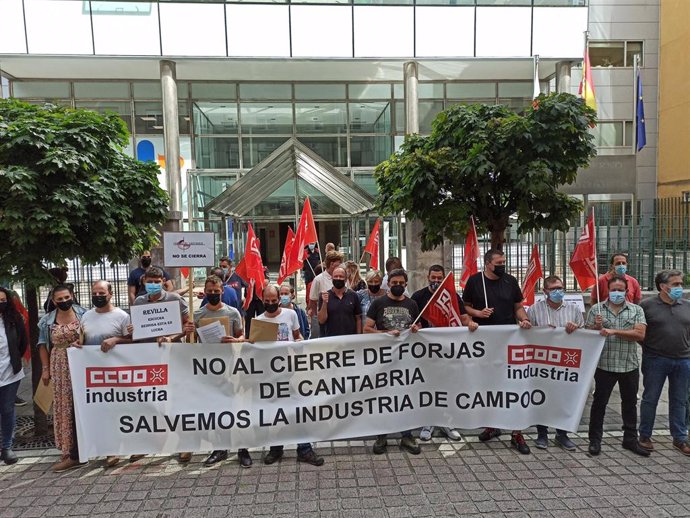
(59, 330)
(372, 291)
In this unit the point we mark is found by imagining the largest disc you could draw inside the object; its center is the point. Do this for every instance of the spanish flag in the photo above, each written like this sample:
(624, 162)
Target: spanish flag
(587, 85)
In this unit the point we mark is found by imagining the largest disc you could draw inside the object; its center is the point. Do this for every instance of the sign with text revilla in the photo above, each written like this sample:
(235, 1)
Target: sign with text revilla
(155, 319)
(189, 249)
(142, 398)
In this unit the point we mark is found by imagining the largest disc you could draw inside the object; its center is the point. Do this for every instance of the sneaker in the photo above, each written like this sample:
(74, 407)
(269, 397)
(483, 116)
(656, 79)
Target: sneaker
(409, 444)
(646, 443)
(19, 401)
(67, 464)
(564, 442)
(273, 455)
(244, 458)
(380, 444)
(310, 457)
(518, 442)
(425, 434)
(111, 461)
(542, 442)
(451, 433)
(8, 456)
(682, 446)
(489, 433)
(134, 458)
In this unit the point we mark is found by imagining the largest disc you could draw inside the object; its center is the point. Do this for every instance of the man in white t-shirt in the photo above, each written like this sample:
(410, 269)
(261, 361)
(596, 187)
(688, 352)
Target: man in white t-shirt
(104, 324)
(288, 331)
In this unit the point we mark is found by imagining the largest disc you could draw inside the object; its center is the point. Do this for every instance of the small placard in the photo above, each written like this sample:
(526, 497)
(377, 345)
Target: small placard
(156, 319)
(573, 299)
(189, 249)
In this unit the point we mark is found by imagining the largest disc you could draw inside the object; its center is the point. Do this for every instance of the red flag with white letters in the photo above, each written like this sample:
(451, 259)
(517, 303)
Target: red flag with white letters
(289, 240)
(584, 259)
(471, 254)
(306, 233)
(534, 273)
(372, 247)
(443, 309)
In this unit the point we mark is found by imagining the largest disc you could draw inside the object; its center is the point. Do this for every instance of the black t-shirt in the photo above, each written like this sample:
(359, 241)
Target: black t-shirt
(343, 314)
(311, 264)
(392, 314)
(502, 294)
(422, 297)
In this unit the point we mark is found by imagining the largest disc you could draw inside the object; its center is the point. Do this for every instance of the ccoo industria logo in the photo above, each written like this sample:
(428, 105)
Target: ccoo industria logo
(544, 354)
(124, 377)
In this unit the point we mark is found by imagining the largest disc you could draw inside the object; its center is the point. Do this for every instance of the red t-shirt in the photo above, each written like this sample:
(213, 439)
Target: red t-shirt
(634, 293)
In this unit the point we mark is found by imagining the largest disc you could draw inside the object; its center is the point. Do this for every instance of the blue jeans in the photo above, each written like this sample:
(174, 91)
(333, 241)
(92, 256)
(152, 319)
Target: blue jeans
(655, 370)
(8, 394)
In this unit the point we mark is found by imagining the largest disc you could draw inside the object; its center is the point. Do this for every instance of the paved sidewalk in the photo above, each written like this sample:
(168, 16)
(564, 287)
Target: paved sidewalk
(447, 479)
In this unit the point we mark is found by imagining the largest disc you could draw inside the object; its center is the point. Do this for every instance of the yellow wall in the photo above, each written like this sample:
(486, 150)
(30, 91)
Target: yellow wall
(673, 170)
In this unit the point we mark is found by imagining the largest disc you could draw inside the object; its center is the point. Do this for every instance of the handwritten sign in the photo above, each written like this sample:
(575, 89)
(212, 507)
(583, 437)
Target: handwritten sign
(156, 319)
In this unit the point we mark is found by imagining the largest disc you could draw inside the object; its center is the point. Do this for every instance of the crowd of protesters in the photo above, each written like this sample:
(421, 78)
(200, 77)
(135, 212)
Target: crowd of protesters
(341, 302)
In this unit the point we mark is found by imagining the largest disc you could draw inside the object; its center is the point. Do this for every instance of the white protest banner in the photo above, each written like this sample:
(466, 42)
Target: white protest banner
(192, 249)
(155, 319)
(141, 398)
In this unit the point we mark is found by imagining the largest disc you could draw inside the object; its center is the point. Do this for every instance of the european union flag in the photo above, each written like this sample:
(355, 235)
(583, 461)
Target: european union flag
(639, 118)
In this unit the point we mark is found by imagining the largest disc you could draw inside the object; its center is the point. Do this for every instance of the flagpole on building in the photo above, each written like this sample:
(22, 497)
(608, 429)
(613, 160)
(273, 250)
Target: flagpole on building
(636, 96)
(429, 301)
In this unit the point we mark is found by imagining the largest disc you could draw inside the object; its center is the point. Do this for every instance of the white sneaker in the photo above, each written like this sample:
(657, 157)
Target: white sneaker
(451, 433)
(425, 434)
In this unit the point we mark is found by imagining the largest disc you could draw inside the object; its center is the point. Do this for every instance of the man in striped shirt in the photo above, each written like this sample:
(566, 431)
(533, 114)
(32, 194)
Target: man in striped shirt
(552, 312)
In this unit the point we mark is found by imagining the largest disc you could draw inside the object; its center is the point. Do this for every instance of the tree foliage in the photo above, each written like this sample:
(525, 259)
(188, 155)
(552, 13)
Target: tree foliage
(68, 190)
(491, 163)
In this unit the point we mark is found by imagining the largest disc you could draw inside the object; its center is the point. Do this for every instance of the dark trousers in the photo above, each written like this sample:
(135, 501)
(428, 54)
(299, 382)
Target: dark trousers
(628, 383)
(8, 394)
(74, 450)
(544, 430)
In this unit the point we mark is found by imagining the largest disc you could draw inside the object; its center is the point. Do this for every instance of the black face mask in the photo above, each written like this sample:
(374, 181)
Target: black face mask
(397, 290)
(146, 262)
(213, 298)
(271, 308)
(100, 301)
(3, 306)
(338, 284)
(65, 305)
(374, 288)
(499, 270)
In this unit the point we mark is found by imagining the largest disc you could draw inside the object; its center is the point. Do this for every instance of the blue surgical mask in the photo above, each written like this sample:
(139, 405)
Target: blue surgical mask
(153, 288)
(225, 271)
(284, 300)
(556, 296)
(621, 269)
(617, 297)
(676, 293)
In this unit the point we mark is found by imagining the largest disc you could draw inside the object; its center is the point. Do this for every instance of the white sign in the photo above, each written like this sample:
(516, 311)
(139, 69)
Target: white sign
(142, 398)
(574, 299)
(156, 319)
(189, 249)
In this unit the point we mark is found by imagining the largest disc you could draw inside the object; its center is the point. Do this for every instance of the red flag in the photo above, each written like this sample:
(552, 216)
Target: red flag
(282, 273)
(253, 262)
(241, 270)
(372, 247)
(443, 309)
(471, 254)
(185, 272)
(533, 274)
(25, 314)
(584, 259)
(306, 233)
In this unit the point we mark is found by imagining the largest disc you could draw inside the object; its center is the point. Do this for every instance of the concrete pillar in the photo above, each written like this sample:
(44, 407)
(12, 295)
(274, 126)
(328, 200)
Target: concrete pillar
(418, 262)
(563, 69)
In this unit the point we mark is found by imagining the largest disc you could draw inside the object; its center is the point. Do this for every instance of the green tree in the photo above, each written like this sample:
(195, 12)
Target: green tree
(491, 163)
(68, 190)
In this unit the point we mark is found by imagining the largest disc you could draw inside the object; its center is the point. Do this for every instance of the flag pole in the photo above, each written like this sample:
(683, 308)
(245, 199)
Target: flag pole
(486, 300)
(596, 259)
(429, 301)
(636, 97)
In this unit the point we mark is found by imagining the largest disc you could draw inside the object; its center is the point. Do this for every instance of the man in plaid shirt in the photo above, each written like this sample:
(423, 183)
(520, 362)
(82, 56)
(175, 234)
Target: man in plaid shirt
(623, 324)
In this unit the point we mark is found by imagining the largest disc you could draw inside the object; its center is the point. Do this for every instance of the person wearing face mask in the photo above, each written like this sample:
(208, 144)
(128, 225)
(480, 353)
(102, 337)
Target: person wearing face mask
(135, 284)
(288, 331)
(552, 312)
(354, 280)
(311, 266)
(339, 309)
(287, 300)
(323, 282)
(666, 355)
(13, 343)
(59, 330)
(435, 277)
(366, 296)
(623, 324)
(617, 266)
(106, 326)
(493, 297)
(215, 308)
(228, 295)
(392, 314)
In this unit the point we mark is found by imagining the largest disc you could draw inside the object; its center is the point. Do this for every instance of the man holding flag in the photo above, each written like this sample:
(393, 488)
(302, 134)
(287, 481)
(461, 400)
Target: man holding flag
(439, 310)
(552, 312)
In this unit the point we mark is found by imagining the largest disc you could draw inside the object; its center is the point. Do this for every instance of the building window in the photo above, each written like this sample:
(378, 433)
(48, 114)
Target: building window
(613, 134)
(614, 53)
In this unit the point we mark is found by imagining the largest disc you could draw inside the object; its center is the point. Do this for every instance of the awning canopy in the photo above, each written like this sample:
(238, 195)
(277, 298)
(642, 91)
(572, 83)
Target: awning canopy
(291, 161)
